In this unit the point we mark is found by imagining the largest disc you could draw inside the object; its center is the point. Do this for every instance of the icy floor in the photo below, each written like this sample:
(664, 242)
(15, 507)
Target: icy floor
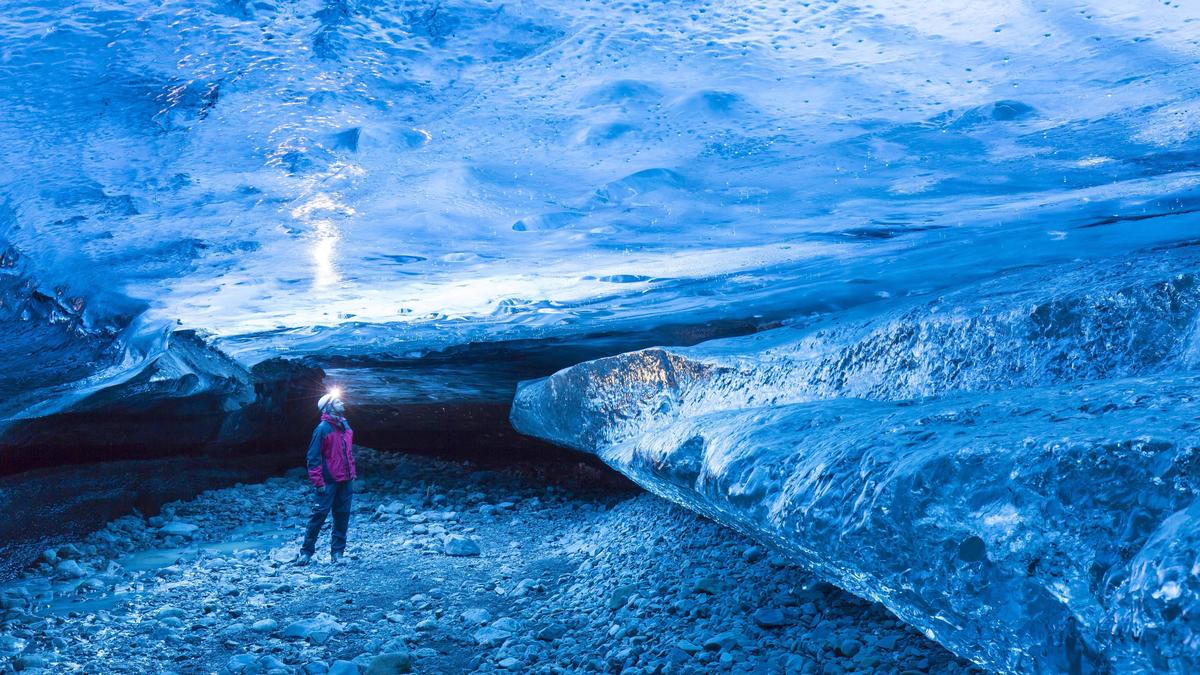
(574, 576)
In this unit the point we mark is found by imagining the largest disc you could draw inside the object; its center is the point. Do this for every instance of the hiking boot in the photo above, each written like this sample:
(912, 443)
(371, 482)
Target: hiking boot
(335, 558)
(302, 559)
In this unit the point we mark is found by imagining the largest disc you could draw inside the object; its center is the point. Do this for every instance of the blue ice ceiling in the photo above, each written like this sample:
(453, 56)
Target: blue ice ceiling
(387, 178)
(246, 167)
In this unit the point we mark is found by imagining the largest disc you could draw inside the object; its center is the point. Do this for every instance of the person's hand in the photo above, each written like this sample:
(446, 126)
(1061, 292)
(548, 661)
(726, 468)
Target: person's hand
(322, 489)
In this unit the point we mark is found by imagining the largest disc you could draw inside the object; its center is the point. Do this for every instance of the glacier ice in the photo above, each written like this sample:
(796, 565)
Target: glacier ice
(1013, 467)
(431, 199)
(376, 179)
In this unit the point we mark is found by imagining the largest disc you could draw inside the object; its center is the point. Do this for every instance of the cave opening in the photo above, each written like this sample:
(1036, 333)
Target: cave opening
(70, 473)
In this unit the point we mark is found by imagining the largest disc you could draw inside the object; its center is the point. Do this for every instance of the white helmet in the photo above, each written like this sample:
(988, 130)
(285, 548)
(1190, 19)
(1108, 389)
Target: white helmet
(327, 401)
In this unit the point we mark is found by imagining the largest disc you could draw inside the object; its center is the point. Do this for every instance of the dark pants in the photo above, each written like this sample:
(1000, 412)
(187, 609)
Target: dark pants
(338, 497)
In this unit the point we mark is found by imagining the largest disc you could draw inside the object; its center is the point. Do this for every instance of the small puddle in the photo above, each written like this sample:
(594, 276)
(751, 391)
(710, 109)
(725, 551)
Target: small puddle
(57, 598)
(62, 606)
(247, 537)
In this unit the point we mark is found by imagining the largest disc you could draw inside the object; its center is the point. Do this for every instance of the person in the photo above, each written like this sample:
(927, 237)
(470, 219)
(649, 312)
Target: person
(332, 472)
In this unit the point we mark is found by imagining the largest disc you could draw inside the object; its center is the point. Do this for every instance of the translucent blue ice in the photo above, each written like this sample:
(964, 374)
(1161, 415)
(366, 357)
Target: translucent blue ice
(386, 180)
(318, 176)
(1013, 467)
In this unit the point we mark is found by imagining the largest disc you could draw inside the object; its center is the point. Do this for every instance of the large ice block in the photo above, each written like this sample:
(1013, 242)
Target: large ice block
(1012, 468)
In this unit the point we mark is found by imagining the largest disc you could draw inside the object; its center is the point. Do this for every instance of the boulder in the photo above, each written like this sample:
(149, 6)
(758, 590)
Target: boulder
(458, 545)
(178, 528)
(490, 637)
(391, 663)
(316, 630)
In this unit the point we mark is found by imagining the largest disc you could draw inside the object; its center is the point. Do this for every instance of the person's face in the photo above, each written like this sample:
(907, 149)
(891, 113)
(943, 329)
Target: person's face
(338, 407)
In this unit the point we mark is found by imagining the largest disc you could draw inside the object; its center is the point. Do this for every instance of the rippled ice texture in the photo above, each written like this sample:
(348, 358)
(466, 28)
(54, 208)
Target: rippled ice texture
(372, 178)
(1013, 467)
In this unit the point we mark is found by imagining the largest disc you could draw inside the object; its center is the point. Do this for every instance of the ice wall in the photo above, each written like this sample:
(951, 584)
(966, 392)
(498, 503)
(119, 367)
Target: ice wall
(1011, 467)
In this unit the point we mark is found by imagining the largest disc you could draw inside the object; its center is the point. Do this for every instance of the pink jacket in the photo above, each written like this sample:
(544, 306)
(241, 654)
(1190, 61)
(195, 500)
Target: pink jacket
(331, 452)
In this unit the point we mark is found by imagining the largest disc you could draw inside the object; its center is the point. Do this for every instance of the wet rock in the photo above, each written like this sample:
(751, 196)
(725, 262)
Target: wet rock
(458, 545)
(391, 663)
(178, 528)
(510, 663)
(92, 584)
(708, 586)
(753, 554)
(620, 596)
(69, 569)
(476, 615)
(770, 617)
(316, 630)
(527, 586)
(490, 636)
(239, 663)
(69, 552)
(795, 665)
(507, 623)
(343, 667)
(849, 647)
(721, 641)
(552, 632)
(264, 625)
(10, 645)
(168, 612)
(26, 662)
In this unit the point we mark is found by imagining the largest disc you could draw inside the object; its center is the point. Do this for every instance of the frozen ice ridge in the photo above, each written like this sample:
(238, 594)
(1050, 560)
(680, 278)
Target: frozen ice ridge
(1013, 467)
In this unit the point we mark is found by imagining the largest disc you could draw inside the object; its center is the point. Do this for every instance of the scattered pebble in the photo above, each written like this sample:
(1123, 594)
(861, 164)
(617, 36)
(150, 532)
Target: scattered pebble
(582, 579)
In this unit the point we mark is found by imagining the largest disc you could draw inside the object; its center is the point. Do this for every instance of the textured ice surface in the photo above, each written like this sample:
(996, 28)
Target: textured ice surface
(1013, 467)
(390, 178)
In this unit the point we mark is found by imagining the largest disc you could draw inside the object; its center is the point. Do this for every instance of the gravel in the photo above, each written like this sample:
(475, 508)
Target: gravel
(449, 569)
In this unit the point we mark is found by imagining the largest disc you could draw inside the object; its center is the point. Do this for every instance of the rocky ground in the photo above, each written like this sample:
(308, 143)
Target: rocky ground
(450, 569)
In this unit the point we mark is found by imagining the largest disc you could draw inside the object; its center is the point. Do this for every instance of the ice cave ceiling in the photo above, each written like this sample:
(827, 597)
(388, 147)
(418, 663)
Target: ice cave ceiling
(376, 182)
(381, 179)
